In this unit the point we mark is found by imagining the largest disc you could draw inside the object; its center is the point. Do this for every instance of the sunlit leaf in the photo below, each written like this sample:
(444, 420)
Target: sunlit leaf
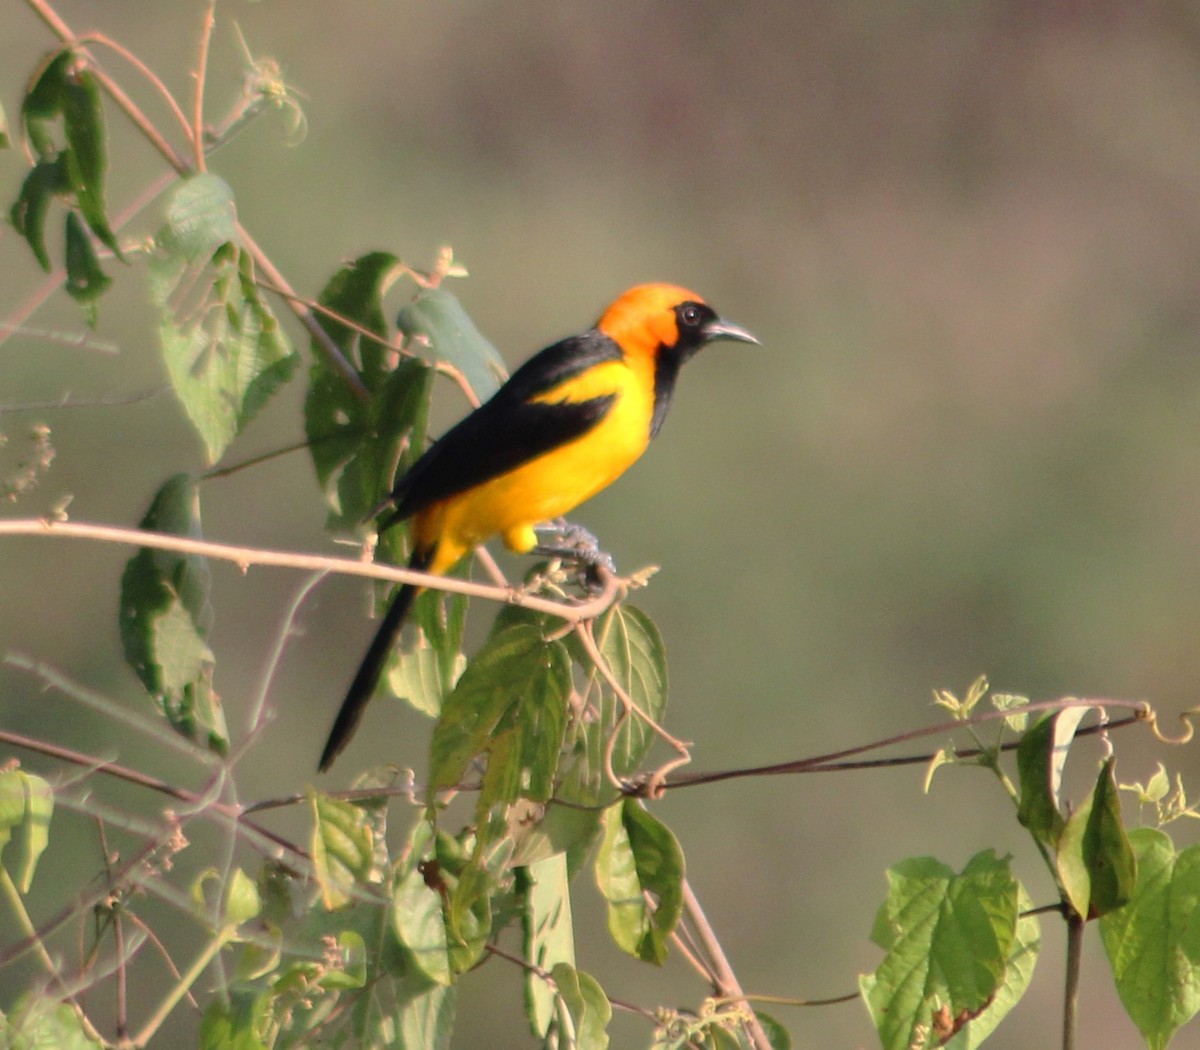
(948, 940)
(1153, 943)
(224, 349)
(588, 1005)
(236, 1024)
(41, 1023)
(341, 847)
(640, 856)
(549, 935)
(26, 805)
(166, 616)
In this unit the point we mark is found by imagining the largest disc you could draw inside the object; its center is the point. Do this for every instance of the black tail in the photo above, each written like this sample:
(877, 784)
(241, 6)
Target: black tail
(363, 687)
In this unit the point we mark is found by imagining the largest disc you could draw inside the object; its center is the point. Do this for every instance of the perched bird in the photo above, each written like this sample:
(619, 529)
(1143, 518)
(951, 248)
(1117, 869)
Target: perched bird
(566, 424)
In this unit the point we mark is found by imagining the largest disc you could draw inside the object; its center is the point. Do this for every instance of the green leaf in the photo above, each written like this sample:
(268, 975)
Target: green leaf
(87, 164)
(1153, 943)
(242, 901)
(166, 616)
(1041, 755)
(417, 915)
(549, 936)
(424, 1018)
(40, 1023)
(200, 216)
(949, 940)
(358, 447)
(1095, 861)
(351, 972)
(517, 684)
(639, 855)
(1018, 973)
(224, 349)
(416, 678)
(86, 281)
(43, 102)
(777, 1035)
(588, 1005)
(26, 805)
(236, 1025)
(5, 138)
(436, 326)
(342, 848)
(45, 181)
(633, 648)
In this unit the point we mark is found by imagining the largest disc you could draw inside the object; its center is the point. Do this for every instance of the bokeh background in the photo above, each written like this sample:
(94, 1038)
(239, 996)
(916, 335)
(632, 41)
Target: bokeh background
(968, 236)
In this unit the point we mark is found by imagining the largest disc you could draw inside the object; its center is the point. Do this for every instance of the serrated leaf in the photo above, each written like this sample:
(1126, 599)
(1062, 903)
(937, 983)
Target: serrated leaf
(437, 327)
(639, 855)
(549, 935)
(46, 180)
(1095, 861)
(26, 806)
(341, 846)
(166, 616)
(200, 215)
(1153, 943)
(518, 683)
(589, 1007)
(86, 280)
(224, 349)
(948, 940)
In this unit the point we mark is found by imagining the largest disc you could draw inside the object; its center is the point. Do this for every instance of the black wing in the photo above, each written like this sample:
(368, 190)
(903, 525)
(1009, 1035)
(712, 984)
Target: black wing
(510, 429)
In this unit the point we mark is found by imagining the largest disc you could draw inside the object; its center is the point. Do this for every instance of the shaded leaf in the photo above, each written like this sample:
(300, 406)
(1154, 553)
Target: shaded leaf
(46, 180)
(358, 447)
(437, 327)
(1041, 755)
(236, 1024)
(87, 163)
(43, 102)
(1153, 943)
(1095, 861)
(166, 616)
(86, 281)
(640, 856)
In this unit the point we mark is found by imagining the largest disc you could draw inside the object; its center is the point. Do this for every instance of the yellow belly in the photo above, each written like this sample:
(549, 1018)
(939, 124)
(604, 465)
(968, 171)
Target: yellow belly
(553, 484)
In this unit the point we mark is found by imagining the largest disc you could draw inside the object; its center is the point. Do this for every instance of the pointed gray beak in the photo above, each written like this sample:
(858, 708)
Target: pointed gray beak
(722, 329)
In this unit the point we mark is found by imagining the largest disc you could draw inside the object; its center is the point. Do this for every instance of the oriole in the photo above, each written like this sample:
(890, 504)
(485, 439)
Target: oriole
(565, 425)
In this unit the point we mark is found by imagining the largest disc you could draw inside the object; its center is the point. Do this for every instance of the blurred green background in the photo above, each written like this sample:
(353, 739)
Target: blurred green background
(968, 236)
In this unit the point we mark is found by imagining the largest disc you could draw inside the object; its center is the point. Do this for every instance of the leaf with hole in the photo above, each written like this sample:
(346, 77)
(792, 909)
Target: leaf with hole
(165, 617)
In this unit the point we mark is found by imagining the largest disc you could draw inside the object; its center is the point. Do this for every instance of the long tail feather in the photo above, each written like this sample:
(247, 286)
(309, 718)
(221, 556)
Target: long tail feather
(365, 681)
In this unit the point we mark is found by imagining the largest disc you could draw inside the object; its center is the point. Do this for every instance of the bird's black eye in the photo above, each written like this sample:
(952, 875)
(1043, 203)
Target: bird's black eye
(690, 315)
